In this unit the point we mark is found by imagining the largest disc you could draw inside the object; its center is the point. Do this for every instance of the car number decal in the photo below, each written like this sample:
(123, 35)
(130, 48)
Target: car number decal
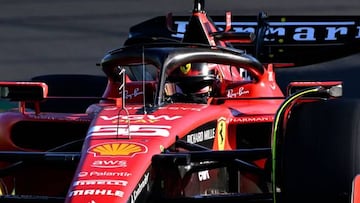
(130, 130)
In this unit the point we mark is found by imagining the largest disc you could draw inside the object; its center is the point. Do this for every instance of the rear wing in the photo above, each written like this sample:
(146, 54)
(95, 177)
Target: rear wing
(301, 40)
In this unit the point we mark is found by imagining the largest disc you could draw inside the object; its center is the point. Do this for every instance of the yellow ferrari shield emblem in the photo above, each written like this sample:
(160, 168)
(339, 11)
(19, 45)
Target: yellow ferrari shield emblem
(221, 133)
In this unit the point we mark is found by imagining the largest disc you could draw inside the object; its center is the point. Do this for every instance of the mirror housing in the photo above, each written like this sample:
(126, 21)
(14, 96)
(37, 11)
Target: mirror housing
(24, 92)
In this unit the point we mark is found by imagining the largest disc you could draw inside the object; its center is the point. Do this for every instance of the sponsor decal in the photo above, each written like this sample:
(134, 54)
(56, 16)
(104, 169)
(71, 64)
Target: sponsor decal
(201, 136)
(101, 182)
(139, 188)
(130, 130)
(175, 108)
(203, 175)
(117, 149)
(241, 91)
(298, 31)
(102, 192)
(252, 119)
(139, 118)
(221, 133)
(136, 92)
(109, 164)
(178, 108)
(103, 174)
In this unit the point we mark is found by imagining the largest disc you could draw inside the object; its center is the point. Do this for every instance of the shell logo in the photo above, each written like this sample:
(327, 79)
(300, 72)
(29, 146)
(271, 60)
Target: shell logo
(117, 149)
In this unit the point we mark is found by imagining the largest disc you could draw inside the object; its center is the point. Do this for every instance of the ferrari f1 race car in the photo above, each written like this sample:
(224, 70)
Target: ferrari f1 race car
(191, 112)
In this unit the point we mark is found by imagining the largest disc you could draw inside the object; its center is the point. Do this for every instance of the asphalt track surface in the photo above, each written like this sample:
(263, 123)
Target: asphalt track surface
(40, 37)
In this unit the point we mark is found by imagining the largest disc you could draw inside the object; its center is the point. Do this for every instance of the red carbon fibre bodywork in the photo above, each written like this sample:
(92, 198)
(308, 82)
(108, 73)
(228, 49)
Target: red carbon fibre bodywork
(110, 147)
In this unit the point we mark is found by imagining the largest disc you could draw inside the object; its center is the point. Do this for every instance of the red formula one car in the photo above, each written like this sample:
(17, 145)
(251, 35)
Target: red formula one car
(184, 120)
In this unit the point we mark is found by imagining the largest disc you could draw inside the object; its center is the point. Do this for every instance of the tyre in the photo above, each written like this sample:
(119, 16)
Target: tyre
(320, 152)
(71, 86)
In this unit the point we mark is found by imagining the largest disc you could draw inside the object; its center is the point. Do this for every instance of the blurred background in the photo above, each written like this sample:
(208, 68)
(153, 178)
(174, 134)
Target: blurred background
(40, 37)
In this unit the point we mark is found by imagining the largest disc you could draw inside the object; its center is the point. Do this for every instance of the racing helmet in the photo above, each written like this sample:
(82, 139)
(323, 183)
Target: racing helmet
(196, 80)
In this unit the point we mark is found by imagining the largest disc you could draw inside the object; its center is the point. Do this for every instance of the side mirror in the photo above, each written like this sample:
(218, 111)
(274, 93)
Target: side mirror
(23, 91)
(331, 88)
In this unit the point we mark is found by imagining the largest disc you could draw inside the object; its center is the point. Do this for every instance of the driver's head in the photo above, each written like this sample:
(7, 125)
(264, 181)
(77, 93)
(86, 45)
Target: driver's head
(194, 79)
